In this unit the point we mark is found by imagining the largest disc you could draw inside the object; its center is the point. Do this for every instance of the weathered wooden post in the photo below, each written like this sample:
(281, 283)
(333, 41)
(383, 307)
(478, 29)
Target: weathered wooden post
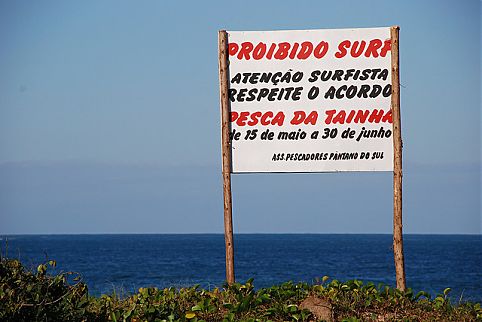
(397, 165)
(226, 151)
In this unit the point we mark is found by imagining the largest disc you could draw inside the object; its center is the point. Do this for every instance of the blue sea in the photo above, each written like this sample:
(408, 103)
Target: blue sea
(123, 263)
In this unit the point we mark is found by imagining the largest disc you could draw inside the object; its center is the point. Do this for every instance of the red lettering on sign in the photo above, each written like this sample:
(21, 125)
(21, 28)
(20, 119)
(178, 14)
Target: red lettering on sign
(374, 48)
(358, 116)
(255, 118)
(280, 51)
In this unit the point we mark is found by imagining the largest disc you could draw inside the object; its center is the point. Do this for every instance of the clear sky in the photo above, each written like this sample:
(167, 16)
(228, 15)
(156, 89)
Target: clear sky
(109, 120)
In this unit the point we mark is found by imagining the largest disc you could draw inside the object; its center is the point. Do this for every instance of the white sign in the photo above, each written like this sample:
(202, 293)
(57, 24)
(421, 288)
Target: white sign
(310, 100)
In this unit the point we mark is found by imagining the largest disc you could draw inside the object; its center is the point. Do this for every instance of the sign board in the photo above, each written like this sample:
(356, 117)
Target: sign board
(310, 100)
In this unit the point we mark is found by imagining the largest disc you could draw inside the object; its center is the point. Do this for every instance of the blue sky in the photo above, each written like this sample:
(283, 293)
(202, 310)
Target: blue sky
(109, 120)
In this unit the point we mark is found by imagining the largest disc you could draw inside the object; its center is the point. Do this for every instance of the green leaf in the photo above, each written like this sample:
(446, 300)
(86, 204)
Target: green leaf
(196, 308)
(127, 314)
(422, 293)
(190, 315)
(41, 269)
(230, 317)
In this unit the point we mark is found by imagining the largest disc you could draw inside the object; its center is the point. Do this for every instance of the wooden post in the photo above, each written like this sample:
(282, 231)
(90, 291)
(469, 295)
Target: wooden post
(226, 150)
(397, 165)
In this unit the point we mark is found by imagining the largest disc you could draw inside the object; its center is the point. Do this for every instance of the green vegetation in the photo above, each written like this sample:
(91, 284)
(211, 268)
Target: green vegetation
(38, 296)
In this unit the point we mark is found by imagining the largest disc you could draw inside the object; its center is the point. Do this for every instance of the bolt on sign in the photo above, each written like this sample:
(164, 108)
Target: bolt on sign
(310, 100)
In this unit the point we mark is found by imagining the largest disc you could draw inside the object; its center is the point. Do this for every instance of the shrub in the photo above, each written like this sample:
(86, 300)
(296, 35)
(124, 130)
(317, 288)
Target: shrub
(38, 296)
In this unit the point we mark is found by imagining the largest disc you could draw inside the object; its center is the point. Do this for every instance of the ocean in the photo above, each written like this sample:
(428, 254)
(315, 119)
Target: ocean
(123, 263)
